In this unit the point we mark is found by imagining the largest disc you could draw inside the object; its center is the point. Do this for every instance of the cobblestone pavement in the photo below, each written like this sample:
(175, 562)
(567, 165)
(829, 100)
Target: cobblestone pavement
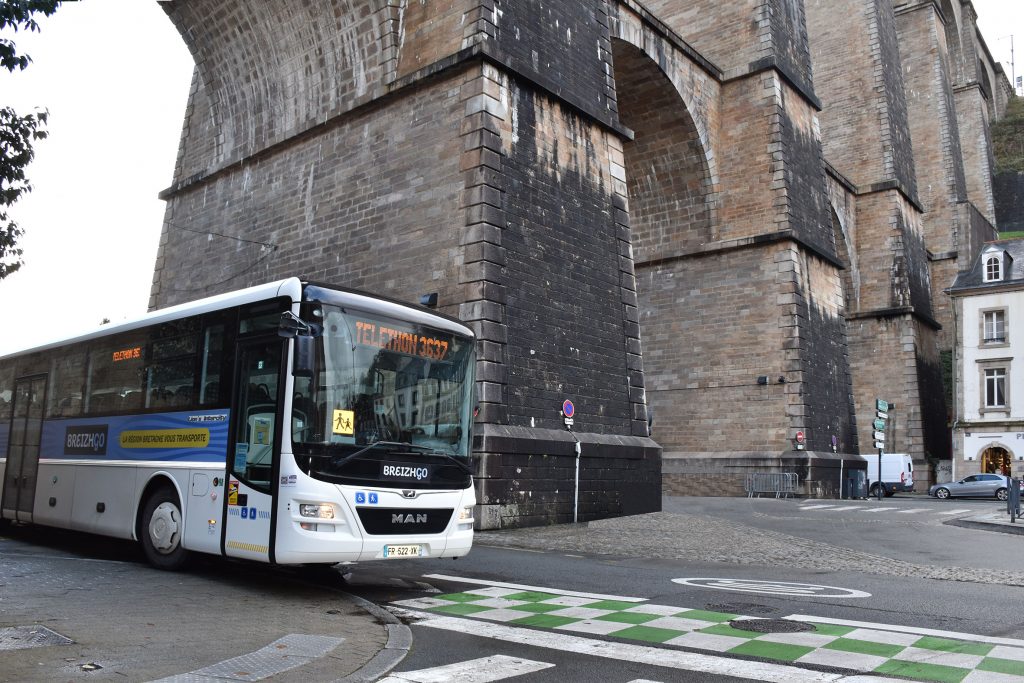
(672, 536)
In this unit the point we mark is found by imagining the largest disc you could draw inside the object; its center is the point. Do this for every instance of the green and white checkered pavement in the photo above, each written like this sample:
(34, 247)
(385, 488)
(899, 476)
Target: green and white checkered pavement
(876, 650)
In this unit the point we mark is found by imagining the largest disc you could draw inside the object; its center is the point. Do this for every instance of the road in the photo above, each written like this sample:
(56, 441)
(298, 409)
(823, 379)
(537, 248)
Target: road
(886, 588)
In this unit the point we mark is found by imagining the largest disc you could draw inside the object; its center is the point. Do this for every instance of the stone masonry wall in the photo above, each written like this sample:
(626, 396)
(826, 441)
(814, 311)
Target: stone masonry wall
(712, 324)
(360, 215)
(864, 128)
(973, 117)
(474, 148)
(267, 74)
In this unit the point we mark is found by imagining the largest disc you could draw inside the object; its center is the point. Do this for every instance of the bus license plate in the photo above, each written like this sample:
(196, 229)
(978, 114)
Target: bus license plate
(402, 551)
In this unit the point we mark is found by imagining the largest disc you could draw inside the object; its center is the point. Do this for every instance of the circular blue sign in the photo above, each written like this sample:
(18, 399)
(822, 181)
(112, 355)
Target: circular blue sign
(568, 408)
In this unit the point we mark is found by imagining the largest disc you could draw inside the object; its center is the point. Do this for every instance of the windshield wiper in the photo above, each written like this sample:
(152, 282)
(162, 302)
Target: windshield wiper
(336, 461)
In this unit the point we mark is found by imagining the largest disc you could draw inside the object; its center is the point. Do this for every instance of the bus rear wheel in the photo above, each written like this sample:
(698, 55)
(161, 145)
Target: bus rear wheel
(161, 530)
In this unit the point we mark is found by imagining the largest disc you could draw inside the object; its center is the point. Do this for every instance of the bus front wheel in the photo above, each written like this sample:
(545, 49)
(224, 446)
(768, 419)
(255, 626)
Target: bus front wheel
(161, 530)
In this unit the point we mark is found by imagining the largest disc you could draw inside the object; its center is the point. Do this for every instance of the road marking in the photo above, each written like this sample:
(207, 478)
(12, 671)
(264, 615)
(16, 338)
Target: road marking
(541, 589)
(912, 511)
(910, 629)
(815, 507)
(785, 588)
(862, 647)
(955, 512)
(675, 659)
(879, 509)
(483, 670)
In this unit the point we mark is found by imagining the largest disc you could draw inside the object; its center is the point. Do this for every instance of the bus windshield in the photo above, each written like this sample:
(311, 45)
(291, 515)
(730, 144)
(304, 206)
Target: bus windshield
(400, 385)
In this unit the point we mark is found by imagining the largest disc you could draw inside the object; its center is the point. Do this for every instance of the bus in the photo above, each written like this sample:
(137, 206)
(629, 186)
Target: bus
(290, 423)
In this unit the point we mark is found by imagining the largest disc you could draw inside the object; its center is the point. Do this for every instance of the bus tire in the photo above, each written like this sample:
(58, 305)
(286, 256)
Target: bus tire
(161, 530)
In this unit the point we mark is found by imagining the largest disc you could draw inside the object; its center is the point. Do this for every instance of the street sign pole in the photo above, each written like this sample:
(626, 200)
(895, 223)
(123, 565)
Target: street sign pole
(878, 484)
(882, 413)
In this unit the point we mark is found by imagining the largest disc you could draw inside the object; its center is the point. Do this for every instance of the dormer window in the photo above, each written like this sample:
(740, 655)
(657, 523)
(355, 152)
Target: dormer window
(993, 268)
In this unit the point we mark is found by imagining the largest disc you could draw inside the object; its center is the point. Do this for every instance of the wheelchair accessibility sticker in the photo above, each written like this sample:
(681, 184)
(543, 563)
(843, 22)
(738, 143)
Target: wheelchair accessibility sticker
(362, 498)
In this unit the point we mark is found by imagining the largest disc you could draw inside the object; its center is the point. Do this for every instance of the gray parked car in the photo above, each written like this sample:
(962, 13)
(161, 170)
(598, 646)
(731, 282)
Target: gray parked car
(974, 486)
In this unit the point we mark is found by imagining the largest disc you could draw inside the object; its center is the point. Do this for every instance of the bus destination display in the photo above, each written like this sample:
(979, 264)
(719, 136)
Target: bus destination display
(400, 341)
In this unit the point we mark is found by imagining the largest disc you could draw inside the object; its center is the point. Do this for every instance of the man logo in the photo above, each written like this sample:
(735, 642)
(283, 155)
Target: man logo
(408, 519)
(408, 493)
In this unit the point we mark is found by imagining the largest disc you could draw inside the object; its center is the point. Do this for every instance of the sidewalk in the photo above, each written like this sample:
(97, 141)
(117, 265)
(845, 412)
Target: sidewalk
(66, 616)
(992, 521)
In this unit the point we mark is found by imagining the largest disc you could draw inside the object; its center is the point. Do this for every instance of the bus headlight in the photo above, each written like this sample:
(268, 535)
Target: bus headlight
(317, 510)
(466, 514)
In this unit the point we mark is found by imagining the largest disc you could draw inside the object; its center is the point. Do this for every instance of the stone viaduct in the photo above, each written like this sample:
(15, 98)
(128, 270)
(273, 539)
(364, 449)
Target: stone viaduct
(738, 217)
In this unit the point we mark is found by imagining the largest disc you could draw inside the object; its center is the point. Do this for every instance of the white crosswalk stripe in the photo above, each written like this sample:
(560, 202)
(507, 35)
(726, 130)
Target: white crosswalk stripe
(864, 507)
(483, 670)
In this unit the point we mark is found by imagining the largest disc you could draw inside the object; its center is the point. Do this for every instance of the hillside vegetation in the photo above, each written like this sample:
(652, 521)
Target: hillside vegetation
(1008, 138)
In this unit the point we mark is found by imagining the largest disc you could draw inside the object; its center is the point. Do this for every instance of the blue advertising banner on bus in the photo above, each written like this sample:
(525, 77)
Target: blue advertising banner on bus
(193, 436)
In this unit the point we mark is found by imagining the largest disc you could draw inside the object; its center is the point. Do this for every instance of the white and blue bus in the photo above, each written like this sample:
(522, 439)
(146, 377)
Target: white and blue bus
(291, 423)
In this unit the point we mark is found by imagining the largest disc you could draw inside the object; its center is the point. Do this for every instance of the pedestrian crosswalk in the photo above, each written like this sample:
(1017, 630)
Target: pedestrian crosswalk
(868, 508)
(648, 633)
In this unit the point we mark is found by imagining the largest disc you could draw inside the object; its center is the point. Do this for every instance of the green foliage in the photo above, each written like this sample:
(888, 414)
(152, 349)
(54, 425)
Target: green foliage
(1008, 138)
(17, 132)
(18, 15)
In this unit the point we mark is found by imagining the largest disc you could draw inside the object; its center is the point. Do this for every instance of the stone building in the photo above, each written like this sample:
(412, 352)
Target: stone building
(709, 212)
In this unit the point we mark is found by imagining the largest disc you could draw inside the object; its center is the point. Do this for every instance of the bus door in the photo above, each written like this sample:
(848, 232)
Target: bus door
(255, 450)
(23, 448)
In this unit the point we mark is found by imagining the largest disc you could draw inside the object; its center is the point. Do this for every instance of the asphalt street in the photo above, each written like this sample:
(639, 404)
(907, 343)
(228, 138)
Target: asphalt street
(79, 607)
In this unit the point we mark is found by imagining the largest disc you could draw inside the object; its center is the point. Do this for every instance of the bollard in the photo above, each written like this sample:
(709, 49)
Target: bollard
(1013, 500)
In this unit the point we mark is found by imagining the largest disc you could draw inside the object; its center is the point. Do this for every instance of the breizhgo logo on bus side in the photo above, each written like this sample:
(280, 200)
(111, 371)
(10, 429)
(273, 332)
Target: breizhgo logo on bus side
(85, 440)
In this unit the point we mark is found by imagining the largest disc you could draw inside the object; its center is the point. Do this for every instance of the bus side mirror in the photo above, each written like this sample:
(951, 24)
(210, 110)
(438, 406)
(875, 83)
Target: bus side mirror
(303, 356)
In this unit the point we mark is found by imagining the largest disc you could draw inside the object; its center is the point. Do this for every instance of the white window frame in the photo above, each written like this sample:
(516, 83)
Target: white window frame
(993, 268)
(988, 334)
(987, 369)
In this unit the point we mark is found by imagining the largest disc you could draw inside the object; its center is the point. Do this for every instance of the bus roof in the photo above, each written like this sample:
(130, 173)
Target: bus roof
(291, 287)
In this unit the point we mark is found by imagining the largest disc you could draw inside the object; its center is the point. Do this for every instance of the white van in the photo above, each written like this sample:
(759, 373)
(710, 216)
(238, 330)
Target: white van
(897, 473)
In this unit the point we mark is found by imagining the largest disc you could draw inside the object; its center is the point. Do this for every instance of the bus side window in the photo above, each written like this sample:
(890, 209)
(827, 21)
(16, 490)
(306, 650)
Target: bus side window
(67, 376)
(116, 374)
(212, 365)
(6, 392)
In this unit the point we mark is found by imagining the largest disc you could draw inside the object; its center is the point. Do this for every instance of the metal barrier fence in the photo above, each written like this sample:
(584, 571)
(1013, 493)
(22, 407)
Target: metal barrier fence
(778, 483)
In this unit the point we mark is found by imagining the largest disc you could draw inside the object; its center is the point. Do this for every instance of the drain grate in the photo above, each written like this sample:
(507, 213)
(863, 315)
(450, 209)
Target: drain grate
(25, 637)
(770, 625)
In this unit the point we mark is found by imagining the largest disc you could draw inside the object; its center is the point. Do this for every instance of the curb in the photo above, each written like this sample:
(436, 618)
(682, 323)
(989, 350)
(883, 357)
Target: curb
(999, 527)
(398, 645)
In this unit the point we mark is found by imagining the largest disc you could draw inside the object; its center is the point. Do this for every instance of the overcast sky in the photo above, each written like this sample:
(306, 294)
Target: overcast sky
(115, 75)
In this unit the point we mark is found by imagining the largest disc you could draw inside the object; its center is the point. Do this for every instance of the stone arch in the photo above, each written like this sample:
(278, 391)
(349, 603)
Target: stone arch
(847, 255)
(696, 83)
(985, 78)
(668, 174)
(268, 71)
(670, 183)
(953, 47)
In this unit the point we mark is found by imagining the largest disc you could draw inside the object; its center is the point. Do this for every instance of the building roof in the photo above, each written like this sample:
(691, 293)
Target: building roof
(1012, 251)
